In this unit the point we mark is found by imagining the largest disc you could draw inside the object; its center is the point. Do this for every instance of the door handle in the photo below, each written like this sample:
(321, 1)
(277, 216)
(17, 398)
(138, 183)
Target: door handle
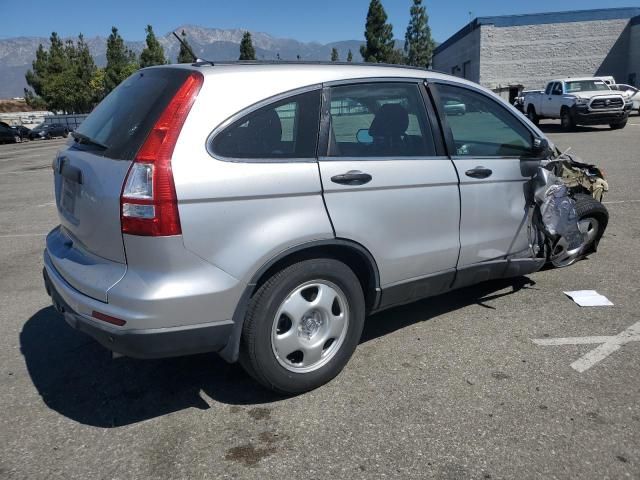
(479, 172)
(352, 177)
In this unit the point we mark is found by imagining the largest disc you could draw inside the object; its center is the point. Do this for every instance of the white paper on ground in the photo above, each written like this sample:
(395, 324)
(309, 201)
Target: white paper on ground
(589, 298)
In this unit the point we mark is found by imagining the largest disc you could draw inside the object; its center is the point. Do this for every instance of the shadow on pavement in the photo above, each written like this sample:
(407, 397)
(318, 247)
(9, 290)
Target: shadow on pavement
(397, 318)
(77, 377)
(557, 128)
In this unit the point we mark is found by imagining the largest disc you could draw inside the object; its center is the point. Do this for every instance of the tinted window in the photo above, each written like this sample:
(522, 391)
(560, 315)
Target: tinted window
(557, 89)
(379, 120)
(284, 129)
(486, 129)
(125, 117)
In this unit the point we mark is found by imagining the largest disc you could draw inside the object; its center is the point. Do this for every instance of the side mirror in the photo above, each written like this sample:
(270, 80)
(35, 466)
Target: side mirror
(541, 148)
(363, 136)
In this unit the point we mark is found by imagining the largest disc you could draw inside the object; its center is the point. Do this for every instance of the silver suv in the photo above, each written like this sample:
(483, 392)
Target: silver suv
(261, 211)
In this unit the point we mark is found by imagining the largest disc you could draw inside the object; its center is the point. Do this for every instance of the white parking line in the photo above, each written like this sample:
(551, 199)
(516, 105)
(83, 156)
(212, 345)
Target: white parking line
(620, 201)
(607, 347)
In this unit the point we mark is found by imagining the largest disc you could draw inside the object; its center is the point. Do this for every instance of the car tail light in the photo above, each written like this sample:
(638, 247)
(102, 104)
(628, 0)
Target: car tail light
(148, 203)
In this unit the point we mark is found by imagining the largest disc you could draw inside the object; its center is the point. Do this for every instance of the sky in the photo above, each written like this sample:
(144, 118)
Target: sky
(318, 20)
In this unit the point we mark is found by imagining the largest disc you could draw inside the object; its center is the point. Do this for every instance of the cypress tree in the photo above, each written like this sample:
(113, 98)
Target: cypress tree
(153, 53)
(378, 34)
(334, 55)
(184, 56)
(247, 52)
(83, 70)
(419, 44)
(349, 56)
(121, 61)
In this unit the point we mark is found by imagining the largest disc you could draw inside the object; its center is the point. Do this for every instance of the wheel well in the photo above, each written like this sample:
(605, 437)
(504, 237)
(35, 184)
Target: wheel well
(359, 261)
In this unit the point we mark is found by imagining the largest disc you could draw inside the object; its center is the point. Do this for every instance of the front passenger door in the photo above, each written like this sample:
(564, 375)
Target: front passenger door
(492, 151)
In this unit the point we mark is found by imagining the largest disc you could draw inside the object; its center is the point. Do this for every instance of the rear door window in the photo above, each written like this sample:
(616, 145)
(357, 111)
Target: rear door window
(285, 129)
(379, 120)
(124, 118)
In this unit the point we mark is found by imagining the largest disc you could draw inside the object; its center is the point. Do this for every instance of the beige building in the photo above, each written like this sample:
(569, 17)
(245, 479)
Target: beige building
(515, 52)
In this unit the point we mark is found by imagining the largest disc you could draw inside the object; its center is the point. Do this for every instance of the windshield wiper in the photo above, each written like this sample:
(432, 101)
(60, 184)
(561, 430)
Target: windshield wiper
(86, 140)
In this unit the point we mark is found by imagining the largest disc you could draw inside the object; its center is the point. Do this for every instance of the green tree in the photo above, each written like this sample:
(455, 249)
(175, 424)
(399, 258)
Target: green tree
(61, 77)
(36, 78)
(184, 56)
(396, 56)
(247, 52)
(82, 70)
(153, 53)
(378, 35)
(121, 61)
(349, 56)
(418, 43)
(334, 55)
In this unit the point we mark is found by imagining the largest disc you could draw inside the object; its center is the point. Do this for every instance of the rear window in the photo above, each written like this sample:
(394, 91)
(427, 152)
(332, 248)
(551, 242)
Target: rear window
(124, 118)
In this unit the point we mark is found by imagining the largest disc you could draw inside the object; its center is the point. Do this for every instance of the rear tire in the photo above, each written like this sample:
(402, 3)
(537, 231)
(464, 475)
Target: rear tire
(533, 116)
(618, 125)
(302, 326)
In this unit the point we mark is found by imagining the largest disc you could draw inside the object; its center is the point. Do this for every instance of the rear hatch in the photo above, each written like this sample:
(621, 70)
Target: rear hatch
(90, 173)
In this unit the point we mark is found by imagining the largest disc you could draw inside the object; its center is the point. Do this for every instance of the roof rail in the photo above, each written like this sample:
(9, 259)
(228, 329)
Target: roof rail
(306, 62)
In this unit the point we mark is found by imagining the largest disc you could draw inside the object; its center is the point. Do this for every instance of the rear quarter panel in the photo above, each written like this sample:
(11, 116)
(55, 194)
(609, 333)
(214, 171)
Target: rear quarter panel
(238, 215)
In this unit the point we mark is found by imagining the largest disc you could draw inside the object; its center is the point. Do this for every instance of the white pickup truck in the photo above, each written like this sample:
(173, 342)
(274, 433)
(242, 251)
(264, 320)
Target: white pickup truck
(578, 101)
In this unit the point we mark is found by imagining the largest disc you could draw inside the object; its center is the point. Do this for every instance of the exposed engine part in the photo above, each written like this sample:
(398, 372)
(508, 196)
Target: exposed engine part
(578, 176)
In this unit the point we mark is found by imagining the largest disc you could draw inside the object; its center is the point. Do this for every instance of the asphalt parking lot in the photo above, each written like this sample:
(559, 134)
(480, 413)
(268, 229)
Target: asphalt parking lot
(452, 387)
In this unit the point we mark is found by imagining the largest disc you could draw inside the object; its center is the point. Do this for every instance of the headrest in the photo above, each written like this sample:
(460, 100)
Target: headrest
(392, 120)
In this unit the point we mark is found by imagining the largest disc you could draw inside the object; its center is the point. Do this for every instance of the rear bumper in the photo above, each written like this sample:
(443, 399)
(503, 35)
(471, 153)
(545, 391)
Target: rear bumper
(137, 343)
(583, 116)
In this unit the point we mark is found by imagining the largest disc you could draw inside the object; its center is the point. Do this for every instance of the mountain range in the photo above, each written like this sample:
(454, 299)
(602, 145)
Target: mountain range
(16, 54)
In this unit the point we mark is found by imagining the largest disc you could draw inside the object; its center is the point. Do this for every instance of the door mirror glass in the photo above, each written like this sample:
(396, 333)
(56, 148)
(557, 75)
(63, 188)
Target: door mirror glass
(541, 148)
(363, 136)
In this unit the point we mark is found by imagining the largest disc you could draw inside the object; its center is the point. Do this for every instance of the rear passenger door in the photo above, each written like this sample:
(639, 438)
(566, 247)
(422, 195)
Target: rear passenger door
(388, 185)
(492, 150)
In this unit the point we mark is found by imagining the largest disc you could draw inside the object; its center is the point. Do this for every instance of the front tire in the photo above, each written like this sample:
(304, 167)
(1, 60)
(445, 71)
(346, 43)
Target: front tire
(593, 218)
(302, 326)
(566, 120)
(618, 125)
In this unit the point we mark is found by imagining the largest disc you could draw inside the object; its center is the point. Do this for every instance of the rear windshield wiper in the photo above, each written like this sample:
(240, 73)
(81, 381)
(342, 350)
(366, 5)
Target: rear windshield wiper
(86, 140)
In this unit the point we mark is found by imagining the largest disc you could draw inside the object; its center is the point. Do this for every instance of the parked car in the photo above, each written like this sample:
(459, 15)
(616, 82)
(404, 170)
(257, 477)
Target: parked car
(22, 131)
(579, 101)
(609, 80)
(48, 131)
(268, 227)
(632, 93)
(518, 103)
(7, 134)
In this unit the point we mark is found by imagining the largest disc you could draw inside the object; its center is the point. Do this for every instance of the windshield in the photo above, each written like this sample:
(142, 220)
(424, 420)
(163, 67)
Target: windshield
(585, 86)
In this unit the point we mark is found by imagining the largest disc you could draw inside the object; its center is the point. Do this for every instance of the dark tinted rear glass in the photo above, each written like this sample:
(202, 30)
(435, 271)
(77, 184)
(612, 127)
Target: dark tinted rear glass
(285, 129)
(124, 118)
